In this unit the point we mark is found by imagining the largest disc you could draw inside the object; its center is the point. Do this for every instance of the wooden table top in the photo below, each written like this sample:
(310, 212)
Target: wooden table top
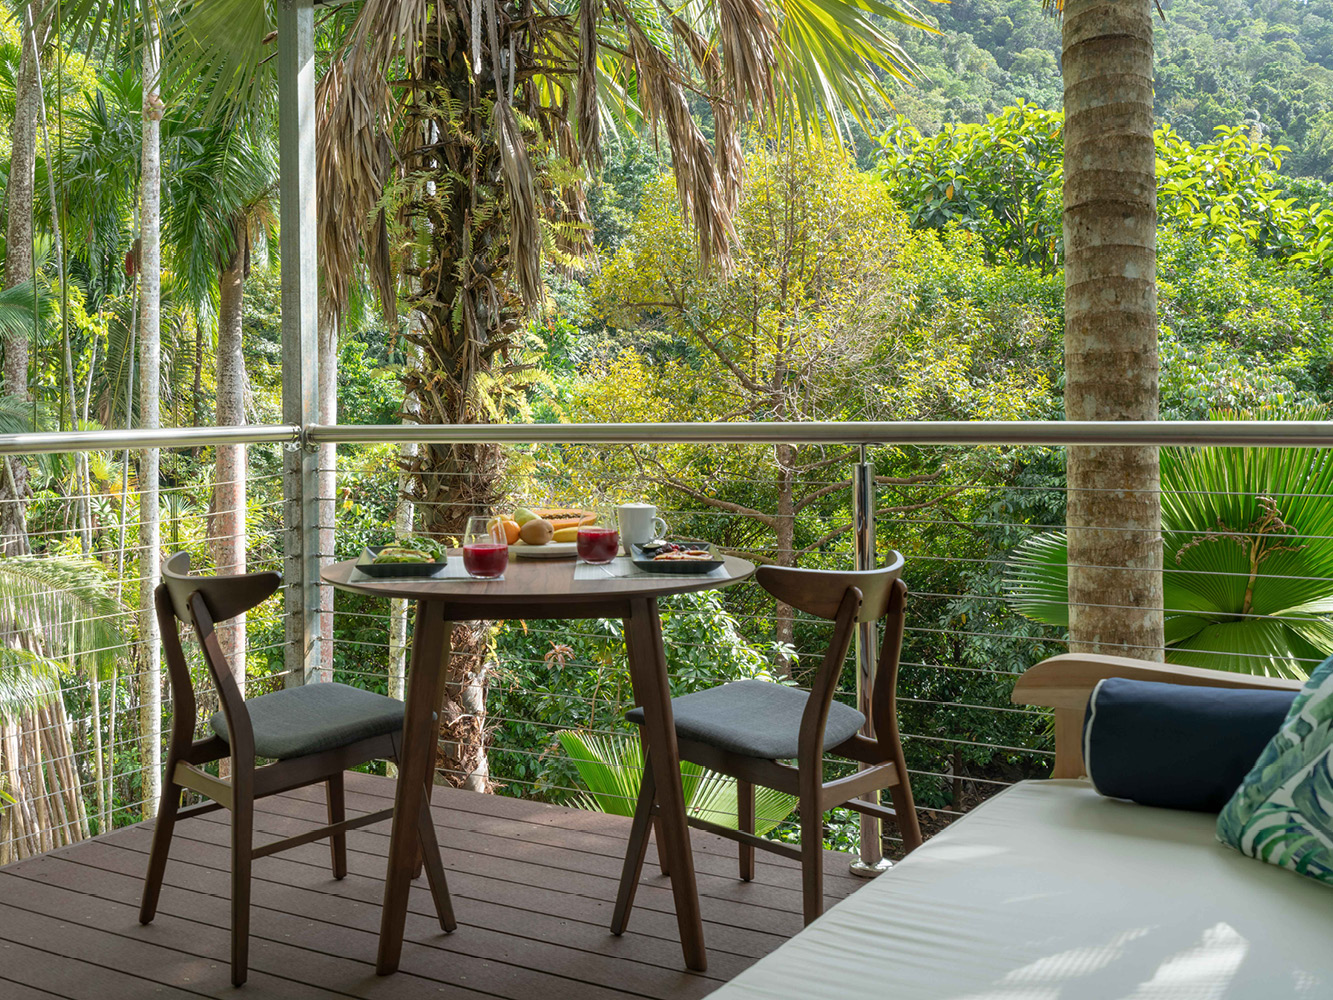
(536, 582)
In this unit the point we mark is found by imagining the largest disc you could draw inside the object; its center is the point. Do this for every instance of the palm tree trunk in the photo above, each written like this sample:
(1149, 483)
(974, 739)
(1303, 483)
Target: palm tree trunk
(20, 192)
(464, 312)
(83, 490)
(95, 690)
(19, 264)
(150, 377)
(1111, 367)
(229, 484)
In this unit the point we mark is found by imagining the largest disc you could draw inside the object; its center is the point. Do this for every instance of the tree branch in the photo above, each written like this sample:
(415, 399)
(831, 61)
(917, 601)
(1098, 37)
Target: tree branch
(835, 533)
(824, 462)
(666, 479)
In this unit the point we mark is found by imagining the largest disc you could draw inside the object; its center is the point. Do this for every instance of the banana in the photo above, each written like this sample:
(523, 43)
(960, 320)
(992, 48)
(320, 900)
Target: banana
(567, 535)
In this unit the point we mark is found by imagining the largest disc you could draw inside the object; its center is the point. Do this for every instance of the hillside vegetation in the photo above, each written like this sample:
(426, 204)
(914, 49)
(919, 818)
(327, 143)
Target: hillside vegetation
(1267, 66)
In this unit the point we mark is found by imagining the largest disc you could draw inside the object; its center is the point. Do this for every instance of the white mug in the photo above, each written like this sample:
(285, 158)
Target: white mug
(639, 523)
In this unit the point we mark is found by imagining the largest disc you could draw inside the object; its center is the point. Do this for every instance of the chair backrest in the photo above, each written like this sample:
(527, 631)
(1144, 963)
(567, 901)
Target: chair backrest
(848, 598)
(819, 592)
(225, 596)
(202, 601)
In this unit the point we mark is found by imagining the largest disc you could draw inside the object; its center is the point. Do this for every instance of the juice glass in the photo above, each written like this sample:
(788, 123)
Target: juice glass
(485, 550)
(599, 541)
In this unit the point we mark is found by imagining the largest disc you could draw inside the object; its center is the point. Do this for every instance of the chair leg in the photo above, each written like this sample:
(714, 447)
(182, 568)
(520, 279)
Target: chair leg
(909, 824)
(337, 803)
(157, 858)
(636, 850)
(430, 859)
(745, 823)
(661, 855)
(421, 857)
(812, 859)
(242, 854)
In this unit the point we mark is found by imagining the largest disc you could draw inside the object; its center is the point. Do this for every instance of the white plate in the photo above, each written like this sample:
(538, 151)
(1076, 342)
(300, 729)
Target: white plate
(551, 550)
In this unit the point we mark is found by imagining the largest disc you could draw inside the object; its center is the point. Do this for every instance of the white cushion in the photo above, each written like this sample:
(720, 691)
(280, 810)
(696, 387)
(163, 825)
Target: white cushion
(1052, 892)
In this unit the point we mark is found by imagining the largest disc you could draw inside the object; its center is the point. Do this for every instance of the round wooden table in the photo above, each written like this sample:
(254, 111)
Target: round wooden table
(538, 588)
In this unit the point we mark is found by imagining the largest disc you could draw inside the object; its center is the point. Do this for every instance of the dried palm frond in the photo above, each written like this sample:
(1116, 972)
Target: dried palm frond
(749, 39)
(524, 222)
(587, 113)
(661, 95)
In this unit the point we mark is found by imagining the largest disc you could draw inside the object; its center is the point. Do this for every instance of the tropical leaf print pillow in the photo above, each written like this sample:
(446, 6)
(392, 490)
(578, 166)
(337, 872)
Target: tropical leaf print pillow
(1282, 812)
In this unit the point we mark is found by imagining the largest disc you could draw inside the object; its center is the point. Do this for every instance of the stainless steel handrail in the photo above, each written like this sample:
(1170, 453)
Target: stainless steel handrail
(54, 442)
(1310, 434)
(963, 433)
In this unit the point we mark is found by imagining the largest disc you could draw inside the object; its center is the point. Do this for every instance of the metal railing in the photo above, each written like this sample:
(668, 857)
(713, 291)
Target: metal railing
(926, 686)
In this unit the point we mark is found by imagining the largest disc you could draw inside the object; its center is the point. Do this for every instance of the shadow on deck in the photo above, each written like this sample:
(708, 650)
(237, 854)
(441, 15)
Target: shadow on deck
(533, 888)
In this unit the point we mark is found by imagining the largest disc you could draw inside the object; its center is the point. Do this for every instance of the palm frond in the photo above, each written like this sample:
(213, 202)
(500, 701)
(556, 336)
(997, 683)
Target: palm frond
(23, 314)
(611, 768)
(1247, 535)
(716, 800)
(28, 682)
(63, 607)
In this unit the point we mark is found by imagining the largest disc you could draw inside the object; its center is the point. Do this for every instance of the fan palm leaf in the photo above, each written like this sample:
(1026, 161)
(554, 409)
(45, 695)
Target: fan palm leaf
(610, 768)
(1247, 535)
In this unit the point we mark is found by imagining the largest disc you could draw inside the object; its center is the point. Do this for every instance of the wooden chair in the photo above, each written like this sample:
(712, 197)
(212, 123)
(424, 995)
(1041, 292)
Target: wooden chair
(747, 729)
(312, 733)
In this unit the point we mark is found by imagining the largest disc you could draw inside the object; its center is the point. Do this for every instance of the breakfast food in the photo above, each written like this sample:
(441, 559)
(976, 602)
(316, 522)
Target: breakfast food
(412, 549)
(676, 552)
(400, 554)
(537, 531)
(565, 517)
(683, 554)
(543, 525)
(509, 524)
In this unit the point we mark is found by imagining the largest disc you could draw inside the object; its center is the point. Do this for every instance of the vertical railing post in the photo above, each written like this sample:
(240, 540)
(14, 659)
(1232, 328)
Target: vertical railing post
(300, 333)
(871, 860)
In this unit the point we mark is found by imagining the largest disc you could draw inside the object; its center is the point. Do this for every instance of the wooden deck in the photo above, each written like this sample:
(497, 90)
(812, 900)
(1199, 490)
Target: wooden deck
(533, 888)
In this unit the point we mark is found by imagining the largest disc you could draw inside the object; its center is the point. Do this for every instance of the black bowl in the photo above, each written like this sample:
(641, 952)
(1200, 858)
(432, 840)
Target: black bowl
(367, 565)
(680, 567)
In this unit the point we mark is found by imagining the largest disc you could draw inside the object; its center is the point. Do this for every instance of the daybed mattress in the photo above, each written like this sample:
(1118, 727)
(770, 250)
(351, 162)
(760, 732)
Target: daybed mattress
(1052, 892)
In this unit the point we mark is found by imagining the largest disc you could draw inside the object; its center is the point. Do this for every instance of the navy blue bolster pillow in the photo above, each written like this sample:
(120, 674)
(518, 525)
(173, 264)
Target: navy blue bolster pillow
(1176, 745)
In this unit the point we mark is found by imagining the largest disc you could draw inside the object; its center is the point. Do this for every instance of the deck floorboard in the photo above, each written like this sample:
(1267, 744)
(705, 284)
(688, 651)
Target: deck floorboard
(533, 886)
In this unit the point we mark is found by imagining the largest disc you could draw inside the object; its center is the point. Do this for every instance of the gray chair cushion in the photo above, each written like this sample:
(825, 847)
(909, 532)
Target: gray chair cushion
(304, 720)
(754, 718)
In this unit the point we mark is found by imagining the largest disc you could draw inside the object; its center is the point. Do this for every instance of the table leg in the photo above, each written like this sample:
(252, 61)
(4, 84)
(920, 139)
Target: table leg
(430, 650)
(648, 673)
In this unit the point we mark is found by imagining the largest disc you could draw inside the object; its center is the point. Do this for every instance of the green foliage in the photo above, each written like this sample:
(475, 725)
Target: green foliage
(1229, 192)
(1266, 67)
(27, 682)
(555, 675)
(611, 767)
(1247, 535)
(1000, 179)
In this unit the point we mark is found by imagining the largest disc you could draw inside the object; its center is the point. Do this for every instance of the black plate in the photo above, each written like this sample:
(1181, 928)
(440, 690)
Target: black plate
(682, 567)
(396, 571)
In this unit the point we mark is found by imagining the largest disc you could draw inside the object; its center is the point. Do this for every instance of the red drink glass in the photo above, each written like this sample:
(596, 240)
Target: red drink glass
(598, 543)
(485, 551)
(486, 560)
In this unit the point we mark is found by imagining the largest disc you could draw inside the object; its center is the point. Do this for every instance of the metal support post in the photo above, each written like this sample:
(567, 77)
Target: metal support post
(300, 332)
(871, 860)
